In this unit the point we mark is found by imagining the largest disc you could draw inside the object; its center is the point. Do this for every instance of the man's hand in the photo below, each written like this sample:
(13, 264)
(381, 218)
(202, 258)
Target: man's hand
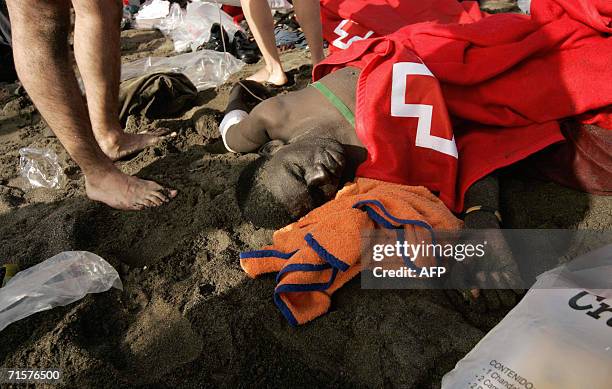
(493, 281)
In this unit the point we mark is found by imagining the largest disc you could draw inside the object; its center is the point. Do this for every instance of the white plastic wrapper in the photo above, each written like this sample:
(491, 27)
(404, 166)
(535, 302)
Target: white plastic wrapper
(525, 6)
(175, 18)
(205, 68)
(189, 29)
(58, 281)
(558, 337)
(41, 168)
(153, 9)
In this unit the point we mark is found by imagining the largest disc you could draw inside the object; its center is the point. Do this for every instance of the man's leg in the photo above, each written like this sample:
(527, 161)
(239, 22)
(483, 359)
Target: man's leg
(40, 44)
(97, 49)
(309, 17)
(259, 17)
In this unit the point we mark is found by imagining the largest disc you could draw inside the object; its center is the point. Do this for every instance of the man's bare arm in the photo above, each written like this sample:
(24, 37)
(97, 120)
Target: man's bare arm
(246, 132)
(252, 132)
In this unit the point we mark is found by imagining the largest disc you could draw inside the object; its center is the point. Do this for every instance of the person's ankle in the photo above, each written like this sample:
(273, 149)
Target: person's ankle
(276, 69)
(315, 59)
(278, 77)
(110, 140)
(98, 174)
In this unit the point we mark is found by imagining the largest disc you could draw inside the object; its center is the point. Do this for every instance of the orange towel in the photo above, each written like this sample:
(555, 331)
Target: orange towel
(321, 252)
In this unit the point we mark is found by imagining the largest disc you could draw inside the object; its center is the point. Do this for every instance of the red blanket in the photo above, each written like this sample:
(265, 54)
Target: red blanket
(507, 79)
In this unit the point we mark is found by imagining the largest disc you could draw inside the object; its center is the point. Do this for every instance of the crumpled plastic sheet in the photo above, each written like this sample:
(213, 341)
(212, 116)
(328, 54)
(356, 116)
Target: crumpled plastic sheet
(41, 168)
(153, 9)
(190, 28)
(58, 281)
(205, 68)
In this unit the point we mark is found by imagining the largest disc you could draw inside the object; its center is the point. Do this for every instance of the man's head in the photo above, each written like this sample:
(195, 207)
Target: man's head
(290, 180)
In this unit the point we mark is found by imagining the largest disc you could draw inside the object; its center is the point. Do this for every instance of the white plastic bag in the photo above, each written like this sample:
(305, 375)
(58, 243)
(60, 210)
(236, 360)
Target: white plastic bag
(525, 6)
(153, 9)
(558, 337)
(190, 29)
(175, 18)
(60, 280)
(41, 168)
(205, 68)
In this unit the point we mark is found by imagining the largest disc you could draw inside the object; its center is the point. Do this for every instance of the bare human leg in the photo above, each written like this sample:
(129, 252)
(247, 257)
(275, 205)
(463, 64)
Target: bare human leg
(259, 17)
(309, 16)
(97, 51)
(40, 45)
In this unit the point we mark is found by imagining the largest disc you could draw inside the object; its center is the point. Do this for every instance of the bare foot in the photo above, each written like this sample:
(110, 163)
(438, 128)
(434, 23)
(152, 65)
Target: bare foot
(125, 192)
(277, 78)
(123, 144)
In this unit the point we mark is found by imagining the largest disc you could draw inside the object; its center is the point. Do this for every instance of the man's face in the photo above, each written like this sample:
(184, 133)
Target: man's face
(303, 174)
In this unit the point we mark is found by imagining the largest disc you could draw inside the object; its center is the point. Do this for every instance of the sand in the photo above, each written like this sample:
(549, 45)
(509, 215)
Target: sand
(188, 316)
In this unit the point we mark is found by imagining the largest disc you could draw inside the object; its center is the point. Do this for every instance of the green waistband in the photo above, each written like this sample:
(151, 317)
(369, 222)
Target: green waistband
(335, 100)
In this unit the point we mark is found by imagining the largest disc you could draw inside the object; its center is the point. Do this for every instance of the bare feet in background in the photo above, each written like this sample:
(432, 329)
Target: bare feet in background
(263, 75)
(259, 16)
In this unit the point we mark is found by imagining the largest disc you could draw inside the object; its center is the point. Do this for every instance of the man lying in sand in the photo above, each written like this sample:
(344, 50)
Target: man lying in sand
(309, 149)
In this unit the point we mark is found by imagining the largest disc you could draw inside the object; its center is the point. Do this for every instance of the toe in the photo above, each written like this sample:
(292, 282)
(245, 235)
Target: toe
(158, 194)
(171, 192)
(156, 201)
(138, 207)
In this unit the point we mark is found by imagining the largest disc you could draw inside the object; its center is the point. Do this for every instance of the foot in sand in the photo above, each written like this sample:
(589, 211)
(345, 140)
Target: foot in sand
(122, 144)
(121, 191)
(275, 77)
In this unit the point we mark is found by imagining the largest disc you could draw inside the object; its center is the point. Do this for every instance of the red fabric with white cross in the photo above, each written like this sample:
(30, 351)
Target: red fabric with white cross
(506, 80)
(400, 118)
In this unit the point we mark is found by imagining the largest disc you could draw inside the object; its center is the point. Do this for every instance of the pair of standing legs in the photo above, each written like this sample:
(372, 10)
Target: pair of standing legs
(259, 17)
(91, 133)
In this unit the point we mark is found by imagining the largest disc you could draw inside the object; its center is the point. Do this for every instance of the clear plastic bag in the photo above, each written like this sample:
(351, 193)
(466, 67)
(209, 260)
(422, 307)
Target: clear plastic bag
(41, 168)
(525, 6)
(58, 281)
(205, 68)
(558, 337)
(175, 18)
(191, 28)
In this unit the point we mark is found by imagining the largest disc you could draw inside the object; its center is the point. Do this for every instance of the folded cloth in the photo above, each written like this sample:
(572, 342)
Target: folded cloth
(155, 95)
(506, 81)
(321, 252)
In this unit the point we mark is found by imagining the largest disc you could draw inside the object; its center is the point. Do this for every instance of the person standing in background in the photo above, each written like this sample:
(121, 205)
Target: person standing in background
(259, 16)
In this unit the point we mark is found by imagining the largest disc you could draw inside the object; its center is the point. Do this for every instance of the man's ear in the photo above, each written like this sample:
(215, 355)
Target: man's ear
(271, 148)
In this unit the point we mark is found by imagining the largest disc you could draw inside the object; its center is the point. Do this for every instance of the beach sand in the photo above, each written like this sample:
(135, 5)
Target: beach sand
(188, 315)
